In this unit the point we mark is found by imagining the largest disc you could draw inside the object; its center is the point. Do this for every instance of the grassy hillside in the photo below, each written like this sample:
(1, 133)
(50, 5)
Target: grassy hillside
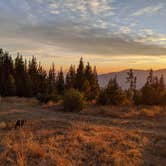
(96, 136)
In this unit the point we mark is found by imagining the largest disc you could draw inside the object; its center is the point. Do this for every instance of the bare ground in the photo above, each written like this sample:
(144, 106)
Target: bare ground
(97, 136)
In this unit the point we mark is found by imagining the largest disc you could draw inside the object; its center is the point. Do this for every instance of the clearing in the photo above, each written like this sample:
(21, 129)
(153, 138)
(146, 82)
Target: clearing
(97, 136)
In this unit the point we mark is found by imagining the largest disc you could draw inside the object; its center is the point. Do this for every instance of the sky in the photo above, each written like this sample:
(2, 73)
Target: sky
(111, 34)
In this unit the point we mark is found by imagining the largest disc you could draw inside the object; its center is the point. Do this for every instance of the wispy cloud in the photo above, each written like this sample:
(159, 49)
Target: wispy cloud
(125, 30)
(101, 6)
(73, 37)
(151, 37)
(83, 7)
(148, 10)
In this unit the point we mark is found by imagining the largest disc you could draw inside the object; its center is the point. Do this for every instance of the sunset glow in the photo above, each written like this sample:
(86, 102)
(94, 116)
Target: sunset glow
(111, 34)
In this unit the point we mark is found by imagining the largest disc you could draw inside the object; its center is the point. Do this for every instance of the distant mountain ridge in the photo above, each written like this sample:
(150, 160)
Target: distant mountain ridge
(121, 77)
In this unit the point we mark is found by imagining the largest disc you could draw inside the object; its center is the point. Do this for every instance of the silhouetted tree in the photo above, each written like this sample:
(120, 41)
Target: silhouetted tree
(131, 79)
(115, 93)
(42, 80)
(71, 78)
(149, 95)
(150, 78)
(95, 89)
(151, 90)
(20, 76)
(80, 75)
(33, 73)
(60, 84)
(161, 84)
(6, 70)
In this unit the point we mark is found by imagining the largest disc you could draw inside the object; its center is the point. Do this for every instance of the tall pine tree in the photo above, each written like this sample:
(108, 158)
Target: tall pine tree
(80, 75)
(60, 84)
(70, 78)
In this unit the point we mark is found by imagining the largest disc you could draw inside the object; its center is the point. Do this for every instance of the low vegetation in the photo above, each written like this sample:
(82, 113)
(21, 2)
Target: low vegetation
(141, 112)
(98, 135)
(73, 101)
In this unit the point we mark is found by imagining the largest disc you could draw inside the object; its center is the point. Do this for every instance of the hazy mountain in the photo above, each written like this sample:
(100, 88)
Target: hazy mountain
(121, 77)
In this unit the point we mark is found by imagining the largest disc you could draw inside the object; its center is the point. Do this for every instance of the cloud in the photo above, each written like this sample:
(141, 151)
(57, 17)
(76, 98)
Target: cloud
(55, 12)
(148, 10)
(72, 37)
(147, 31)
(100, 6)
(151, 37)
(83, 7)
(77, 27)
(125, 30)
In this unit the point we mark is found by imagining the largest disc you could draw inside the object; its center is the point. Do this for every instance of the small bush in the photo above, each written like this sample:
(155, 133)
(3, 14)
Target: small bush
(115, 97)
(73, 101)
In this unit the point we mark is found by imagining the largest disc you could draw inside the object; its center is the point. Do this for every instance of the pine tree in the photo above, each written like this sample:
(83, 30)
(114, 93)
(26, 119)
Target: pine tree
(135, 83)
(161, 84)
(88, 72)
(115, 93)
(6, 69)
(150, 93)
(20, 76)
(156, 83)
(52, 79)
(28, 86)
(150, 78)
(86, 89)
(1, 71)
(94, 85)
(70, 78)
(33, 73)
(60, 85)
(86, 84)
(131, 79)
(80, 75)
(42, 80)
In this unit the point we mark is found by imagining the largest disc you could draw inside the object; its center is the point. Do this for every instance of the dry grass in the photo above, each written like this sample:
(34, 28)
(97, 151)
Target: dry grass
(20, 147)
(83, 143)
(120, 137)
(127, 112)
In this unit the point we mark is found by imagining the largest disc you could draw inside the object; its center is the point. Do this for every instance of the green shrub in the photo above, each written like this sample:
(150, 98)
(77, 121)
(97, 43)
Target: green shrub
(73, 101)
(113, 97)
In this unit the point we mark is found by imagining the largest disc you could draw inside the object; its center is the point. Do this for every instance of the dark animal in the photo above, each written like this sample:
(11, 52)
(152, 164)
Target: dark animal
(19, 123)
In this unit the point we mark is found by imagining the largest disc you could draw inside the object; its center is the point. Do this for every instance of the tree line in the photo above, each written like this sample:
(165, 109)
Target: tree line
(19, 77)
(152, 93)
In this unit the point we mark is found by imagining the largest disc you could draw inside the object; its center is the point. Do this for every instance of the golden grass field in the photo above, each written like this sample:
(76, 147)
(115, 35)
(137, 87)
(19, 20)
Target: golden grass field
(97, 136)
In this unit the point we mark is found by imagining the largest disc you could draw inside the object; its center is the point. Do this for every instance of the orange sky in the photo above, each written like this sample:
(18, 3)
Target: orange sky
(106, 64)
